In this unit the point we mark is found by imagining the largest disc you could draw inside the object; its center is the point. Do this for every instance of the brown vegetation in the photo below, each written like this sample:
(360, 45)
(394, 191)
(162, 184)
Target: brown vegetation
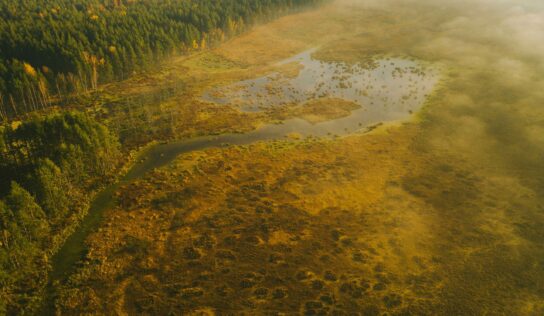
(437, 217)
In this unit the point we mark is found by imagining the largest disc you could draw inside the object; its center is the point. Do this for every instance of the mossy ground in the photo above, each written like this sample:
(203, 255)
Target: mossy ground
(440, 216)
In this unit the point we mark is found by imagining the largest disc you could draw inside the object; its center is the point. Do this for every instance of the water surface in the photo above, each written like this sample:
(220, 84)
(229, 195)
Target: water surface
(383, 86)
(395, 88)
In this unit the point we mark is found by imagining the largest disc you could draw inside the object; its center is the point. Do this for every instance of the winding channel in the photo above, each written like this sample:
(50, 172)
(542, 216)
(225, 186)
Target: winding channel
(66, 260)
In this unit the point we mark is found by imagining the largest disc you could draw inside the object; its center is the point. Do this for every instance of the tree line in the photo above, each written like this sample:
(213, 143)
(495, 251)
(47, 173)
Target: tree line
(54, 48)
(49, 164)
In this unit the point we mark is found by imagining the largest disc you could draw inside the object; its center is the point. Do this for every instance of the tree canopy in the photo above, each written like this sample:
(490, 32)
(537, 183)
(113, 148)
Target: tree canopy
(62, 46)
(48, 166)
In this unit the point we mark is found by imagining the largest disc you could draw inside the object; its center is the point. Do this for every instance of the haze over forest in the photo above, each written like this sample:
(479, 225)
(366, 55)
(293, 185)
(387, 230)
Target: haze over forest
(267, 157)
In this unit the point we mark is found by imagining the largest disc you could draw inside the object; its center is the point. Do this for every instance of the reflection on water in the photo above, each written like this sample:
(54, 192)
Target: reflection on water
(394, 79)
(459, 229)
(391, 85)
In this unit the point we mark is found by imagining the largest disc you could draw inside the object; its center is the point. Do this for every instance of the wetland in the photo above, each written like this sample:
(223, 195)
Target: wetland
(359, 158)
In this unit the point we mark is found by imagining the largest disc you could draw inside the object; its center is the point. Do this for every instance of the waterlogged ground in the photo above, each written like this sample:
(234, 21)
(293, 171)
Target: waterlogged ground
(379, 85)
(439, 215)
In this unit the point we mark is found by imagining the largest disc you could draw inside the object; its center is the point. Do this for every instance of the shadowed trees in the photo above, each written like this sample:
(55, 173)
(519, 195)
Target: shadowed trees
(48, 166)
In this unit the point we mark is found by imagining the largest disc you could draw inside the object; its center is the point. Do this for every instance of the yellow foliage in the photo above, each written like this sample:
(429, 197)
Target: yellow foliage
(231, 26)
(42, 85)
(16, 124)
(195, 44)
(29, 70)
(112, 49)
(94, 17)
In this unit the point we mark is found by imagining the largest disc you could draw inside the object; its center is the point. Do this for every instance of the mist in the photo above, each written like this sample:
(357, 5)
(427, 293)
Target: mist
(345, 157)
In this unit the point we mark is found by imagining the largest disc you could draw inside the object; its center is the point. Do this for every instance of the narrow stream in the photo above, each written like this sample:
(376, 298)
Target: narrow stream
(66, 260)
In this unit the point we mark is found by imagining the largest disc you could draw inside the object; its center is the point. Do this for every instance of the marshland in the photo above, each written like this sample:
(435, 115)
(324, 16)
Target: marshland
(345, 157)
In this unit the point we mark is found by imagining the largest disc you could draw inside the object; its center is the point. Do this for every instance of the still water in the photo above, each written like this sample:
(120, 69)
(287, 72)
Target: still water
(389, 89)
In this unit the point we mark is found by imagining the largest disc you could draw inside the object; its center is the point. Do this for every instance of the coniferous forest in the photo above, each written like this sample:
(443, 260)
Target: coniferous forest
(52, 161)
(54, 48)
(49, 166)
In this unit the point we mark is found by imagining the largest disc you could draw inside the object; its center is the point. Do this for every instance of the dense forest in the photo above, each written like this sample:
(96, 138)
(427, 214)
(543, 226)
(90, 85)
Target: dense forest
(48, 165)
(51, 163)
(49, 49)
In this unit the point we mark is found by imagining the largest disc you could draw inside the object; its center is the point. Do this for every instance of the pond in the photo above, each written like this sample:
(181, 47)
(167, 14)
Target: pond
(393, 88)
(383, 86)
